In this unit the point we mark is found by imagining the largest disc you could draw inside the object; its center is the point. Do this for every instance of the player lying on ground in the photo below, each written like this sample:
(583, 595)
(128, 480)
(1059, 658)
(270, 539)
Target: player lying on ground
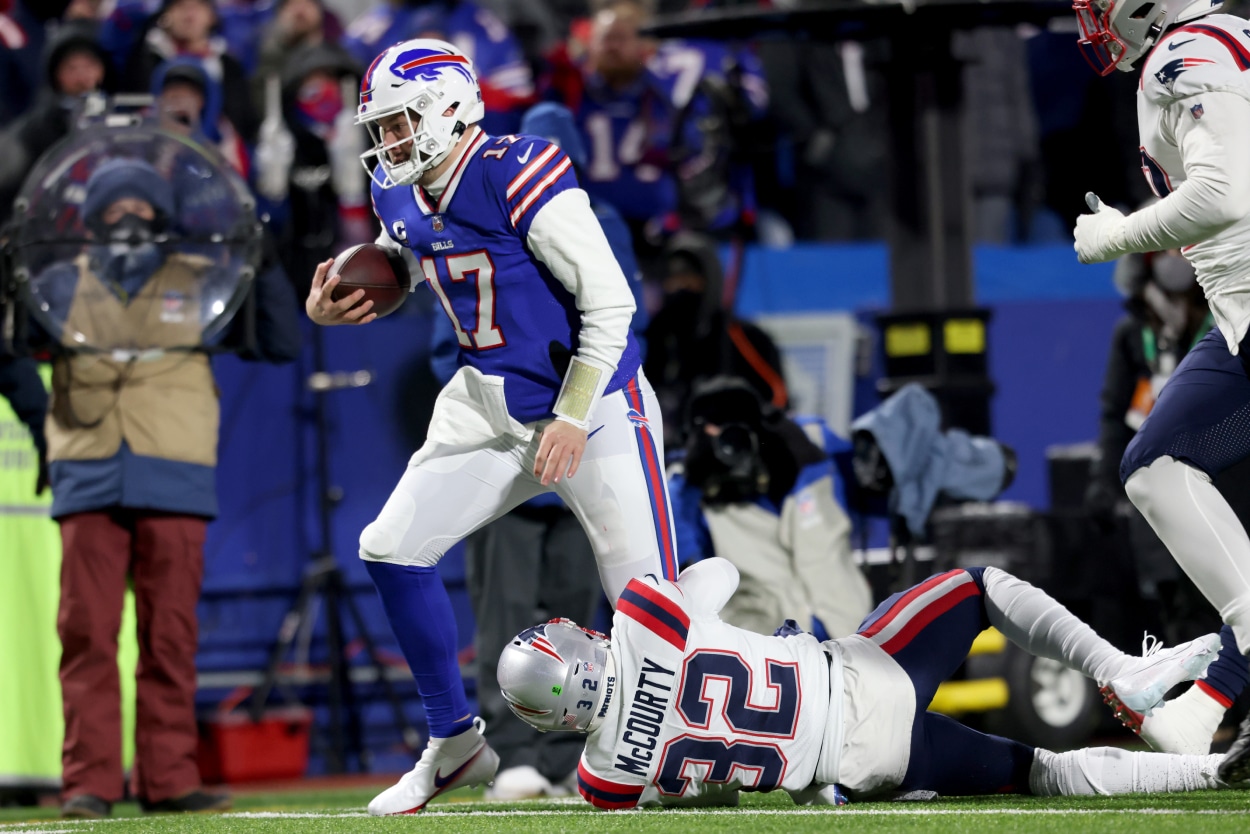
(682, 708)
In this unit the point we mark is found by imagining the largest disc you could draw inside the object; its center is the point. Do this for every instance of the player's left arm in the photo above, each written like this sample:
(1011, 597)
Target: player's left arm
(1213, 142)
(565, 236)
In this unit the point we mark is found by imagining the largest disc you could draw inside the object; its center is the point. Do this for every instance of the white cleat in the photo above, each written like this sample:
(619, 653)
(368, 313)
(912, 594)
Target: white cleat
(1173, 727)
(461, 761)
(1142, 690)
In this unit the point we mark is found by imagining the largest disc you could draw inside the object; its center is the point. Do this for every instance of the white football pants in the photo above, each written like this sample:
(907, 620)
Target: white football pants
(1203, 533)
(619, 494)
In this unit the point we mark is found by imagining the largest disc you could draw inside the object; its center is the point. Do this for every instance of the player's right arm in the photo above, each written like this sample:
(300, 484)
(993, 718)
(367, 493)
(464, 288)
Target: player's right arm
(1215, 149)
(324, 310)
(1196, 102)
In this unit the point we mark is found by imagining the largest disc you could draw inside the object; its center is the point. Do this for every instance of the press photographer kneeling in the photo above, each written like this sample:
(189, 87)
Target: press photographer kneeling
(761, 490)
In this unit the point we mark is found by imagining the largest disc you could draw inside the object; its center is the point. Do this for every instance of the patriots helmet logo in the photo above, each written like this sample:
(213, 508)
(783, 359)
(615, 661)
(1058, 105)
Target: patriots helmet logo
(1172, 70)
(427, 64)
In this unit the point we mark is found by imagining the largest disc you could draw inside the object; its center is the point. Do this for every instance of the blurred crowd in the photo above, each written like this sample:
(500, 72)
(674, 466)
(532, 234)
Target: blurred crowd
(777, 140)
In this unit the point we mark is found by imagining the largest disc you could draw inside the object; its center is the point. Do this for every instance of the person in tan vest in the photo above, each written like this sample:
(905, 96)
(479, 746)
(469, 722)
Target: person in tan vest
(132, 446)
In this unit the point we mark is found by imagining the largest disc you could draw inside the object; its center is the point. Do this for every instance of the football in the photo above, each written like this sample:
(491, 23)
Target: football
(381, 273)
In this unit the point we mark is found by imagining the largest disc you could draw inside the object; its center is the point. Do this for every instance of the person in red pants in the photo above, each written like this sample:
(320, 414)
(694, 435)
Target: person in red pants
(132, 449)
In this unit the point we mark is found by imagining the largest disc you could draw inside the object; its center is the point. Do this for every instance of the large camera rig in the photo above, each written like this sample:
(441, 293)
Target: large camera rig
(48, 245)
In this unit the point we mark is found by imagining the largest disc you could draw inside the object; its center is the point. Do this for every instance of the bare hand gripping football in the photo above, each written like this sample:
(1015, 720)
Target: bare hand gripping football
(363, 283)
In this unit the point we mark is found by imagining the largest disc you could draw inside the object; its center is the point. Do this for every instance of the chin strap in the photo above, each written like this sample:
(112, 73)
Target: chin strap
(456, 133)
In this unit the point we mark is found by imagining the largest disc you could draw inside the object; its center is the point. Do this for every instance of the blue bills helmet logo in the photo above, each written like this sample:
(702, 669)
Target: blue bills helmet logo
(427, 64)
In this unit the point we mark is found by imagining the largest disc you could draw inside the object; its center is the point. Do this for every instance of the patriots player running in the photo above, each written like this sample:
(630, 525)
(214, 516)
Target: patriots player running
(549, 394)
(1193, 108)
(684, 709)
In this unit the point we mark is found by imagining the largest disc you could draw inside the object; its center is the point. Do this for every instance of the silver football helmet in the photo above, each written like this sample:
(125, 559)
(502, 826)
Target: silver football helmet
(558, 677)
(1116, 33)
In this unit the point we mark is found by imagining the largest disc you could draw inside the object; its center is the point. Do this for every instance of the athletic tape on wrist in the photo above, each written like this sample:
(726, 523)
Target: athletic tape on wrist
(578, 393)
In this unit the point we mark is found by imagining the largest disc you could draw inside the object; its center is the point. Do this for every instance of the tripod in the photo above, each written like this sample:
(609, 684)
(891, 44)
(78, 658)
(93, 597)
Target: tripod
(323, 578)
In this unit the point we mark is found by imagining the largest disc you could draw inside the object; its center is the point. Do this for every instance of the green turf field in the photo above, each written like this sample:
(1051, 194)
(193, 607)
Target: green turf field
(343, 811)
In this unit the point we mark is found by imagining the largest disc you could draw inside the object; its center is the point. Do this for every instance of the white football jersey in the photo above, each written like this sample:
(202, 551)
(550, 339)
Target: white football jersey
(1210, 55)
(701, 709)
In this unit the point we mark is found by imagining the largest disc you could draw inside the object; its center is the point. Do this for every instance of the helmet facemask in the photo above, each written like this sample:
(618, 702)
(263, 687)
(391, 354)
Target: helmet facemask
(430, 140)
(1115, 33)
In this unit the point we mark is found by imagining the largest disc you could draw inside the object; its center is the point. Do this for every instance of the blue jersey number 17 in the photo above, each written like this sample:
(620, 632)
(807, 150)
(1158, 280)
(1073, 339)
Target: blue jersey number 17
(485, 334)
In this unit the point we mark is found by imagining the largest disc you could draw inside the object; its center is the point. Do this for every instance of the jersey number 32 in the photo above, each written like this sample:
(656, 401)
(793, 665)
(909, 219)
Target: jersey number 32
(761, 762)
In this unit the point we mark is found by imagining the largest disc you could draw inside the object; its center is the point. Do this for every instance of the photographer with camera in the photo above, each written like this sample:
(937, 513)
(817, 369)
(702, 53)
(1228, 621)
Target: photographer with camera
(129, 309)
(761, 490)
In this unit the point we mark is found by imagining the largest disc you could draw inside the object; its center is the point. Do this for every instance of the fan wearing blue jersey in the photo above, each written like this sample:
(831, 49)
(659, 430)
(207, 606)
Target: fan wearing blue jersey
(625, 113)
(504, 76)
(549, 394)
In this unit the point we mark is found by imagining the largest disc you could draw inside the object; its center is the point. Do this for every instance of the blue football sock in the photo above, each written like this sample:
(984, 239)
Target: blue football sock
(1228, 673)
(420, 614)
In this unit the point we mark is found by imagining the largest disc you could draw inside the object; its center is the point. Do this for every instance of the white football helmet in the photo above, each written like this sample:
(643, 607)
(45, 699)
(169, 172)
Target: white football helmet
(1115, 33)
(558, 677)
(435, 87)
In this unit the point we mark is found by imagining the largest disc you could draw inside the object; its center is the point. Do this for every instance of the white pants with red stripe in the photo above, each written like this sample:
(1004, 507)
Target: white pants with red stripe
(619, 493)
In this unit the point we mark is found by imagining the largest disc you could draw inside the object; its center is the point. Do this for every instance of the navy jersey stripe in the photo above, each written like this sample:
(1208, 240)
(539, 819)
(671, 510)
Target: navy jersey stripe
(666, 618)
(1239, 52)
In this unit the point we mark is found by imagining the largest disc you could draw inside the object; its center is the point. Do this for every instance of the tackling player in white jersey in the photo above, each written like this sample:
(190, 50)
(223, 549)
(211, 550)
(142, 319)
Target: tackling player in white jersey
(1193, 109)
(549, 395)
(682, 708)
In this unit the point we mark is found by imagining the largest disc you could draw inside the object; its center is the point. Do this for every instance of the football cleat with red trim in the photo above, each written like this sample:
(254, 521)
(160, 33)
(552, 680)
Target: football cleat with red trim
(1175, 726)
(461, 761)
(1142, 690)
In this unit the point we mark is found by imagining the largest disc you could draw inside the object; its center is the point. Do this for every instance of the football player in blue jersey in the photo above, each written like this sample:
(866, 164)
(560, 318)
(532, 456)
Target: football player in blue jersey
(549, 394)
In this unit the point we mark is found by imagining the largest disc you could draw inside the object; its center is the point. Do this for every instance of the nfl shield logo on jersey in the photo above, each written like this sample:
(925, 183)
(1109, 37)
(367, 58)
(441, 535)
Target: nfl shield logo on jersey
(437, 222)
(1196, 110)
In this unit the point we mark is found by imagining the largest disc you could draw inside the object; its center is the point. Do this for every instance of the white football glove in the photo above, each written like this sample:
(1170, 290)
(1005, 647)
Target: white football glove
(1100, 236)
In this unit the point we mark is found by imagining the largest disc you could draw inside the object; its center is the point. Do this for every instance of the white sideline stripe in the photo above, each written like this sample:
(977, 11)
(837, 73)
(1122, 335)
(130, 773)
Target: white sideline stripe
(28, 827)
